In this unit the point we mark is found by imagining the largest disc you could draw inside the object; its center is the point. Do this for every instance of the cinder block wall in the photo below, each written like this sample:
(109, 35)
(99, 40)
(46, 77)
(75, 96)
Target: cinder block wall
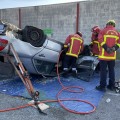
(61, 18)
(98, 12)
(10, 15)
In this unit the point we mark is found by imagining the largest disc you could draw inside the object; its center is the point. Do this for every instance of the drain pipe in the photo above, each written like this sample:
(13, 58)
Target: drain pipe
(77, 17)
(19, 17)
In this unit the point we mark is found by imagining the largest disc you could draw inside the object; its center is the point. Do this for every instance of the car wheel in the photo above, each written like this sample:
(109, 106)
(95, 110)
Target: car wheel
(34, 36)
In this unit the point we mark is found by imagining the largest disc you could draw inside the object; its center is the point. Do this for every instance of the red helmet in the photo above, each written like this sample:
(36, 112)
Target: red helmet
(95, 29)
(79, 33)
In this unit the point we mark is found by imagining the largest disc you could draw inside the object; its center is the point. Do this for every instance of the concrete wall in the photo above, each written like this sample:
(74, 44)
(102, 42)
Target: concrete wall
(61, 18)
(10, 15)
(98, 13)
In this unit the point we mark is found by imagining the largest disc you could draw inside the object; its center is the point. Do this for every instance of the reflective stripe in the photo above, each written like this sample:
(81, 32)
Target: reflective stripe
(95, 42)
(71, 46)
(74, 69)
(74, 38)
(65, 45)
(111, 36)
(99, 46)
(108, 57)
(112, 31)
(95, 55)
(71, 54)
(118, 44)
(103, 51)
(66, 69)
(102, 43)
(79, 50)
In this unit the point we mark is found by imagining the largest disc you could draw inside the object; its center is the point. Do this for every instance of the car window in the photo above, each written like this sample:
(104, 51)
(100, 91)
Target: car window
(1, 27)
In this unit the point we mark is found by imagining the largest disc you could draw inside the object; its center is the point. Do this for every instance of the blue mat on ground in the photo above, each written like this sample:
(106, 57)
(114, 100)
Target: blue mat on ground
(50, 87)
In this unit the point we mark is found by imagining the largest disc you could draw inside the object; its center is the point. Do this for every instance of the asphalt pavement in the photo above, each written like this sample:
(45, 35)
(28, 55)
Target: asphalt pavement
(108, 108)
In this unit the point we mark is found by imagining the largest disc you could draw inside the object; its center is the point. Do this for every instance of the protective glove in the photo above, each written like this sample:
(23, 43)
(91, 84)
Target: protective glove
(90, 45)
(107, 49)
(65, 49)
(114, 48)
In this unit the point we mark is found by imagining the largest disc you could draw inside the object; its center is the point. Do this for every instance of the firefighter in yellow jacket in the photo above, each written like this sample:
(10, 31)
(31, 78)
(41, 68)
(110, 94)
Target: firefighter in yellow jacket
(73, 46)
(109, 40)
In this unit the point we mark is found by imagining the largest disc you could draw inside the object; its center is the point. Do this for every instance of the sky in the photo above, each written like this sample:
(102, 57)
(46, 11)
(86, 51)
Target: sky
(24, 3)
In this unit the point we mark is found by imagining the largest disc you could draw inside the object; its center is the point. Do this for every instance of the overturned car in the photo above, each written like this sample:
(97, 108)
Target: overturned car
(39, 53)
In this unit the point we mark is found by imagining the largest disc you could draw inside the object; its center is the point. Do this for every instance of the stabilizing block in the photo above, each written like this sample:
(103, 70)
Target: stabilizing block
(42, 106)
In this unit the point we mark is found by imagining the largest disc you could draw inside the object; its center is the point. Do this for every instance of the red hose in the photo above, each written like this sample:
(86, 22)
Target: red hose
(60, 100)
(71, 99)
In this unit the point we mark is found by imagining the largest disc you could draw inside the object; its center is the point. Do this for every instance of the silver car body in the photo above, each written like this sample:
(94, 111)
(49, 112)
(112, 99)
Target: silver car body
(40, 60)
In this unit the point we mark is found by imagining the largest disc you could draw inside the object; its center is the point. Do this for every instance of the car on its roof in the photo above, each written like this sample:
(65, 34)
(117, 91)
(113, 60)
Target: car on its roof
(40, 53)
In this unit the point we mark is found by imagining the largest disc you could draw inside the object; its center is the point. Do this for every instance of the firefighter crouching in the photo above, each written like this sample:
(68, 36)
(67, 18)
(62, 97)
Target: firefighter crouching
(73, 47)
(94, 46)
(109, 40)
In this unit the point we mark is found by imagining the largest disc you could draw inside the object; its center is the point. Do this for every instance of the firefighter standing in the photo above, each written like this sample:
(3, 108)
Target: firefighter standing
(109, 40)
(94, 46)
(73, 47)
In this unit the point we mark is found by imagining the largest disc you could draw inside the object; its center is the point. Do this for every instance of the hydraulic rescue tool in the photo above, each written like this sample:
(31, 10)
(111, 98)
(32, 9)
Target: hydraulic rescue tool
(23, 74)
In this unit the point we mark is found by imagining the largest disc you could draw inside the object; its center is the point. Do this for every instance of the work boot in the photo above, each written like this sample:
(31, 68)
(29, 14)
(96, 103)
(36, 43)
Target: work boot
(101, 88)
(65, 74)
(112, 88)
(74, 73)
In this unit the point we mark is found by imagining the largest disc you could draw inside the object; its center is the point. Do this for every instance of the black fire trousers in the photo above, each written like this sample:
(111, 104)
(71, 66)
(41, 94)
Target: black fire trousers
(69, 61)
(107, 66)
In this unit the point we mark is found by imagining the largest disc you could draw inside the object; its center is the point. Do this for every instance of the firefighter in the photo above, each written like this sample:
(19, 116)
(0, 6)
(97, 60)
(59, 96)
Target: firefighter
(94, 46)
(73, 47)
(109, 40)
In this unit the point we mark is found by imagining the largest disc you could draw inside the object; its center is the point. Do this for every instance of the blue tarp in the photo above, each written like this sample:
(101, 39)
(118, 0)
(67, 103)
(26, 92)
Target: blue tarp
(50, 87)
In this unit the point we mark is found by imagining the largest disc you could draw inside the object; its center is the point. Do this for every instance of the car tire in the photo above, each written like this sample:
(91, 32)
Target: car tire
(33, 35)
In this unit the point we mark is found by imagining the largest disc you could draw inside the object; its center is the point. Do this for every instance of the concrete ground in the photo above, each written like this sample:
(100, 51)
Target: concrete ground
(104, 111)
